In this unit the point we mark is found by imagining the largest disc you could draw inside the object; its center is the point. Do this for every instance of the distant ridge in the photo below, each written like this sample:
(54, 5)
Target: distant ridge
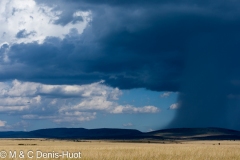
(111, 133)
(73, 133)
(86, 133)
(210, 133)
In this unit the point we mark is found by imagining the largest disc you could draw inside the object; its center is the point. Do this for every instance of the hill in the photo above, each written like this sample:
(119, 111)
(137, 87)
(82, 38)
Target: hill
(130, 134)
(196, 134)
(73, 133)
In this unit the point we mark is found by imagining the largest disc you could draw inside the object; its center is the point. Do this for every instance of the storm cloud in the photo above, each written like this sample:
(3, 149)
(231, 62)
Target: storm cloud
(190, 47)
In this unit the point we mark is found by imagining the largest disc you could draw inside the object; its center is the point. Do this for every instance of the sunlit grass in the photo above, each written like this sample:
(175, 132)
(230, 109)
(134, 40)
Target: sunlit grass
(92, 150)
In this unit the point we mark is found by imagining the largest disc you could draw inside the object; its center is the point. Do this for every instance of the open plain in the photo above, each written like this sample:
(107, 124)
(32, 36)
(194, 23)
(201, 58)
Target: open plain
(132, 150)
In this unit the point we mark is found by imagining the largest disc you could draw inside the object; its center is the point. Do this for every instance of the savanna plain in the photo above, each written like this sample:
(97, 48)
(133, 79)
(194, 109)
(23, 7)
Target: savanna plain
(126, 150)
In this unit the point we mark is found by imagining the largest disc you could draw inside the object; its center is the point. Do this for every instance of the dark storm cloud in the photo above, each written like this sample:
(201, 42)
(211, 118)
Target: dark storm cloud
(24, 34)
(186, 46)
(207, 83)
(67, 17)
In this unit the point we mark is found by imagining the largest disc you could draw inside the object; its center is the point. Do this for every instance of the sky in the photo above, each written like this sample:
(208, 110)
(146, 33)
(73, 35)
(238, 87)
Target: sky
(136, 64)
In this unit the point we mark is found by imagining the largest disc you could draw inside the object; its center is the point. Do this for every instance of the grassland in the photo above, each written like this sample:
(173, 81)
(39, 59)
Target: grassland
(99, 150)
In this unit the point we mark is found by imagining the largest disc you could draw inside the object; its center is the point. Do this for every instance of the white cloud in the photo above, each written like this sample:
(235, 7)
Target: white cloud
(33, 22)
(2, 123)
(13, 108)
(132, 109)
(165, 94)
(174, 106)
(150, 130)
(17, 88)
(65, 117)
(128, 125)
(76, 116)
(63, 103)
(21, 125)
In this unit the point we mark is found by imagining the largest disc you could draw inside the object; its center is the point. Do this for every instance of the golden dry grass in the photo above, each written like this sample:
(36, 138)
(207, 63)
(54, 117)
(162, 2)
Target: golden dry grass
(99, 150)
